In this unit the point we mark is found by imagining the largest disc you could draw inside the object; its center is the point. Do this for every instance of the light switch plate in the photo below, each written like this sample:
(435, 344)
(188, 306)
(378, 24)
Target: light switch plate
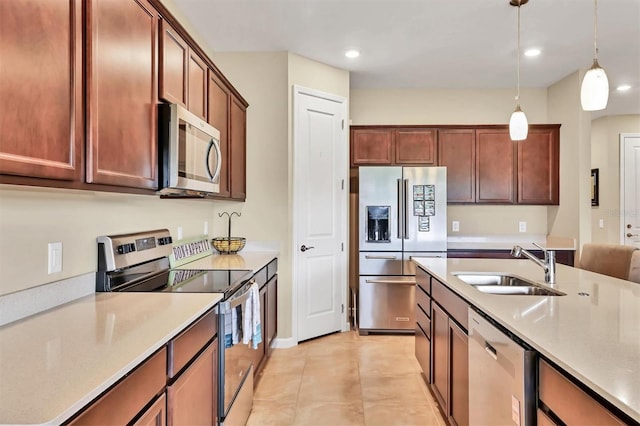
(522, 226)
(455, 226)
(206, 228)
(179, 232)
(601, 223)
(54, 263)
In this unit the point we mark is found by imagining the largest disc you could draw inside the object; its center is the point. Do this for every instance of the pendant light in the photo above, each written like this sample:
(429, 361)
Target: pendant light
(594, 92)
(518, 125)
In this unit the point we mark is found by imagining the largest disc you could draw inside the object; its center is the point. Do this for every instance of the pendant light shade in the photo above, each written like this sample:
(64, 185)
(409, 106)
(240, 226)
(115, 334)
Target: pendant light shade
(594, 93)
(518, 124)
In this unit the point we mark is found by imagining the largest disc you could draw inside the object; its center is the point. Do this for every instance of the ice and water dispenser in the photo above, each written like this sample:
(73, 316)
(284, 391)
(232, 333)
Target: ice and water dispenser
(378, 223)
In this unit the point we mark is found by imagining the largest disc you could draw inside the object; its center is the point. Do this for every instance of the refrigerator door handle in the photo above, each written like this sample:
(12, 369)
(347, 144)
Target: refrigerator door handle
(405, 219)
(400, 203)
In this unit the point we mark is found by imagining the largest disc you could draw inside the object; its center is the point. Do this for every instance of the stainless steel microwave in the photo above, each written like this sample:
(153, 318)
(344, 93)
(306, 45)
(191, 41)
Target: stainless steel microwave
(189, 153)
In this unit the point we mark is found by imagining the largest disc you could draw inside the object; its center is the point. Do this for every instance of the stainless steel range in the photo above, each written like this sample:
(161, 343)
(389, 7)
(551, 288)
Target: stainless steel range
(139, 262)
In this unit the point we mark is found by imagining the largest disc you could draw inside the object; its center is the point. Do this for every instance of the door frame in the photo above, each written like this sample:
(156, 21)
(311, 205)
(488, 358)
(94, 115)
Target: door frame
(623, 138)
(344, 214)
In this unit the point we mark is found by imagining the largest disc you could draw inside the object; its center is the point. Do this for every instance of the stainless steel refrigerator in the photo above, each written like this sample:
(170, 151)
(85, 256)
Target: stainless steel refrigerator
(402, 213)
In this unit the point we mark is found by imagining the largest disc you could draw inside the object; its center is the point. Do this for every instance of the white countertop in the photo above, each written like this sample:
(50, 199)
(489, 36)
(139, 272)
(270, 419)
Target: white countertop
(595, 337)
(506, 242)
(53, 363)
(250, 260)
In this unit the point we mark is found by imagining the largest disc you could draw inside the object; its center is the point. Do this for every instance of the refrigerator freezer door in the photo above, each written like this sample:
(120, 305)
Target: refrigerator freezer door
(387, 303)
(380, 263)
(379, 229)
(409, 268)
(425, 212)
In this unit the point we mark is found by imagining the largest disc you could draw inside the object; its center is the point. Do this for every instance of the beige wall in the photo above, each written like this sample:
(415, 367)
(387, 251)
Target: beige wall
(410, 106)
(605, 156)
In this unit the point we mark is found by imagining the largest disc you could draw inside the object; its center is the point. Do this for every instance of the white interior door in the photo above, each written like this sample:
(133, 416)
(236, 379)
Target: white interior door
(630, 189)
(320, 212)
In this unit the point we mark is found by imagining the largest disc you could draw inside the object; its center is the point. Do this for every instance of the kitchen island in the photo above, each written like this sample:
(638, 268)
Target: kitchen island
(592, 332)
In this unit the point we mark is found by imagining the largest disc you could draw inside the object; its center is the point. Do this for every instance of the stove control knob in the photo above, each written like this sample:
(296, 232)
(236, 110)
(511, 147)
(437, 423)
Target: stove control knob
(126, 248)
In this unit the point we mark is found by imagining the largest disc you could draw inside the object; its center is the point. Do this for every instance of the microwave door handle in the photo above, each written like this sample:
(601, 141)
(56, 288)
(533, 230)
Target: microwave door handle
(212, 144)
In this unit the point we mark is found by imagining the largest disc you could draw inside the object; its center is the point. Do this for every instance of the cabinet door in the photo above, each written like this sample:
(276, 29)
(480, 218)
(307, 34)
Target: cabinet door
(156, 415)
(539, 167)
(190, 399)
(457, 152)
(416, 146)
(174, 59)
(41, 80)
(495, 166)
(122, 93)
(440, 356)
(218, 117)
(237, 144)
(458, 375)
(272, 311)
(197, 86)
(371, 146)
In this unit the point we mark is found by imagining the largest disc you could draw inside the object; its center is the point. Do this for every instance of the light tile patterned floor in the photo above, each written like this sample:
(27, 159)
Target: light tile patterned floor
(345, 379)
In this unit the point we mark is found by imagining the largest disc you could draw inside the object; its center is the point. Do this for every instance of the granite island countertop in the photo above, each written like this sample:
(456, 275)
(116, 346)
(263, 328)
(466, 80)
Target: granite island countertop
(593, 332)
(54, 363)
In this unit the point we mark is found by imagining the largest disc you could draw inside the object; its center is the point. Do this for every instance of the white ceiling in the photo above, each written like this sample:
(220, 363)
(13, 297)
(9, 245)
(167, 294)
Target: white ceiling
(436, 43)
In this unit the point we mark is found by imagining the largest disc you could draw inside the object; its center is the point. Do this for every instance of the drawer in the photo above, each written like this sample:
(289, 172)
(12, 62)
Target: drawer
(423, 300)
(380, 263)
(130, 396)
(272, 268)
(423, 280)
(186, 345)
(455, 306)
(424, 321)
(570, 403)
(423, 352)
(261, 277)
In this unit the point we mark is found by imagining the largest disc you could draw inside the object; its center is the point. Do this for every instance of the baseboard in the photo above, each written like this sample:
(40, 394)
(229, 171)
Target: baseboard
(284, 343)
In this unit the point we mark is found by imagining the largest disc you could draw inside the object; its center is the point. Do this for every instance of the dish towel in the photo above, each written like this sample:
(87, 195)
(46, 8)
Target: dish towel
(251, 326)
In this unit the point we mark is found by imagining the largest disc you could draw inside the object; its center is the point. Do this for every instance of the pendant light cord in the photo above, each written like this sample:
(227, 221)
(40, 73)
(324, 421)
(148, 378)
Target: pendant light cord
(518, 59)
(595, 30)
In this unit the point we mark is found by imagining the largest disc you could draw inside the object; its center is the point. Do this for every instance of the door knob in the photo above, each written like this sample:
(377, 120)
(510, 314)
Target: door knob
(304, 248)
(629, 235)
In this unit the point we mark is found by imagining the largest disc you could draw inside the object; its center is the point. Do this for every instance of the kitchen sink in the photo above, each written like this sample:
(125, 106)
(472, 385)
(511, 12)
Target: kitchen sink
(506, 284)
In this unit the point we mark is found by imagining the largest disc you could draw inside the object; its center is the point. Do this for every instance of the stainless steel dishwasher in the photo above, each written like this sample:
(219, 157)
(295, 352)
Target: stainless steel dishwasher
(501, 377)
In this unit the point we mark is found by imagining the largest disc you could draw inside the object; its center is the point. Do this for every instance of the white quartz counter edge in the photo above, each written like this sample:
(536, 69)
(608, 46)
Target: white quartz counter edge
(54, 363)
(249, 260)
(562, 333)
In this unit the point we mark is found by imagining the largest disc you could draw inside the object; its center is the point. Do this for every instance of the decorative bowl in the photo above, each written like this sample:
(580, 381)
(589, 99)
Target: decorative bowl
(228, 245)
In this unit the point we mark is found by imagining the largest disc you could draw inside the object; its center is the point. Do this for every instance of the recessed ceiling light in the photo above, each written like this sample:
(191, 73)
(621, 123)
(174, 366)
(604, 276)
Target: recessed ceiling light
(623, 88)
(352, 53)
(532, 52)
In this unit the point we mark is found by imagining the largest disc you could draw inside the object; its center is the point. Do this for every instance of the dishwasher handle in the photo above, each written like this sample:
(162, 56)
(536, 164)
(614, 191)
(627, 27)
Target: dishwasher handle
(491, 351)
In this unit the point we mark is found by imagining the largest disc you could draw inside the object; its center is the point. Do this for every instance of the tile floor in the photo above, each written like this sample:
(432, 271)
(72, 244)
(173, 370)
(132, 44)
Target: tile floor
(344, 379)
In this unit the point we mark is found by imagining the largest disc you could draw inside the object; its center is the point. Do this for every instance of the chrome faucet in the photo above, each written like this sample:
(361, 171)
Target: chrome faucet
(549, 263)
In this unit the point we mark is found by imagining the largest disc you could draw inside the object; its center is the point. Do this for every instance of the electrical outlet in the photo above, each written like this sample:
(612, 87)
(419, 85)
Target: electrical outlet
(522, 226)
(206, 228)
(455, 226)
(601, 223)
(54, 263)
(179, 232)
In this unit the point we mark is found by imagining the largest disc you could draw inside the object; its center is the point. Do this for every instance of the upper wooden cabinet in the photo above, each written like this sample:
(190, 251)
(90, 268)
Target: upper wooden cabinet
(457, 152)
(41, 104)
(174, 61)
(237, 148)
(197, 100)
(495, 166)
(375, 145)
(122, 93)
(218, 116)
(539, 166)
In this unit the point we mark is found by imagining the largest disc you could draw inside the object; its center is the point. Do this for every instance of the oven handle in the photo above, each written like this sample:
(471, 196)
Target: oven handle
(226, 306)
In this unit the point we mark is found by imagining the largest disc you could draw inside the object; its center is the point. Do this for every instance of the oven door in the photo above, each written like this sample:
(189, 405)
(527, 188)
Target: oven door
(235, 364)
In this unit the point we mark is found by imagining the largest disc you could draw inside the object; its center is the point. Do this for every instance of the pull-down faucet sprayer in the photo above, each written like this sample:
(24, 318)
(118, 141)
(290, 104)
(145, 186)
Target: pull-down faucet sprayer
(549, 263)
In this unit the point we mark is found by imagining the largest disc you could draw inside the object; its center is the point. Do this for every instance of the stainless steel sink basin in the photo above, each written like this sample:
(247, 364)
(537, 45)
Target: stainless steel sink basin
(506, 284)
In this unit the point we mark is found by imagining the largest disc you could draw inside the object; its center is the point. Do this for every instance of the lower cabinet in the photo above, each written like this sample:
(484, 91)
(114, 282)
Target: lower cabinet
(192, 396)
(155, 415)
(267, 280)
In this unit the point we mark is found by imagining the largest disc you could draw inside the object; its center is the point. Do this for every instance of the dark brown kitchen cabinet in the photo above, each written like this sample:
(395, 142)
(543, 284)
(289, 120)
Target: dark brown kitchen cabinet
(191, 398)
(539, 166)
(423, 322)
(237, 148)
(174, 63)
(218, 116)
(440, 356)
(197, 86)
(156, 415)
(371, 147)
(457, 152)
(458, 375)
(41, 100)
(122, 93)
(495, 166)
(416, 146)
